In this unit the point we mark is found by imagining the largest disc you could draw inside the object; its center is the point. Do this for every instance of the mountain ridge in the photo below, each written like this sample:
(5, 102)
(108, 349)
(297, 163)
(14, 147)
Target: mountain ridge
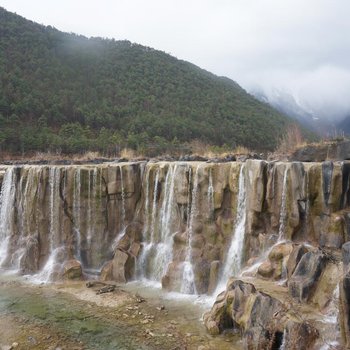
(62, 91)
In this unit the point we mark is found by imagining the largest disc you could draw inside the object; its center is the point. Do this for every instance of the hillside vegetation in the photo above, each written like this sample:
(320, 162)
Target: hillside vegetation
(65, 92)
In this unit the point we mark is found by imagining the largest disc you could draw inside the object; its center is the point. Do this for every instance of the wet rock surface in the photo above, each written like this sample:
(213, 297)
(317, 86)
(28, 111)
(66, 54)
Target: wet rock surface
(175, 223)
(266, 321)
(304, 279)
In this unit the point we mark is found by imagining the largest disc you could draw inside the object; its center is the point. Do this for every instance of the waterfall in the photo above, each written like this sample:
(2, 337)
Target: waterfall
(76, 212)
(307, 203)
(188, 284)
(210, 193)
(283, 344)
(283, 212)
(54, 182)
(7, 198)
(149, 228)
(154, 208)
(233, 261)
(26, 201)
(164, 247)
(89, 211)
(146, 211)
(141, 261)
(158, 233)
(45, 275)
(122, 226)
(122, 197)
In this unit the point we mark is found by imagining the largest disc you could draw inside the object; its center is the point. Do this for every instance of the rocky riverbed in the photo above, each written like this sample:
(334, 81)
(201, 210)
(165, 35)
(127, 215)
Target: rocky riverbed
(71, 316)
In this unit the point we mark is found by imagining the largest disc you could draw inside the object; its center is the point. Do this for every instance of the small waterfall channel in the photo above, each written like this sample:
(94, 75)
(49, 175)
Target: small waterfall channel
(188, 283)
(283, 212)
(233, 261)
(55, 248)
(158, 226)
(7, 197)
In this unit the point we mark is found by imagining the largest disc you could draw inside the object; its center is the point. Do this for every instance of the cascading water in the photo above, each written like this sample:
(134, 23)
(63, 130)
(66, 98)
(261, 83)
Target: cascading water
(283, 344)
(141, 262)
(233, 261)
(89, 210)
(188, 284)
(45, 275)
(165, 245)
(26, 198)
(76, 212)
(94, 194)
(283, 212)
(122, 209)
(211, 193)
(122, 197)
(7, 198)
(149, 228)
(54, 181)
(158, 227)
(307, 202)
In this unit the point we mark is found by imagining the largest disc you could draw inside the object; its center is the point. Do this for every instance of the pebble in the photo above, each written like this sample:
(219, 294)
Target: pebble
(149, 333)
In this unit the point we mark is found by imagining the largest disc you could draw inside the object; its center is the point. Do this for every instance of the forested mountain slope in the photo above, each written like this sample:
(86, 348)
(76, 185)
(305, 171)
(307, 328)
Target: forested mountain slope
(66, 92)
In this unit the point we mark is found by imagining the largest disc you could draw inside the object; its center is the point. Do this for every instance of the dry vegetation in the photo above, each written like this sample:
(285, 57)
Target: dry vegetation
(291, 140)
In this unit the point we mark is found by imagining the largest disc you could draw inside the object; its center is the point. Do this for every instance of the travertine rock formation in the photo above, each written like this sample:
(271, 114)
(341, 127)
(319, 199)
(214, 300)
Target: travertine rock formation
(189, 226)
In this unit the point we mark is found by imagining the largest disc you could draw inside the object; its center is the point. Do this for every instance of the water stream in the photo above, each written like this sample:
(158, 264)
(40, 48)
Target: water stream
(7, 198)
(188, 285)
(283, 212)
(233, 261)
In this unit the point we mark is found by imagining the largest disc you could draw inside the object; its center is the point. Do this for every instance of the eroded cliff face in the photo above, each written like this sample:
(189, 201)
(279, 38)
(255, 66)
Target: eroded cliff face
(187, 225)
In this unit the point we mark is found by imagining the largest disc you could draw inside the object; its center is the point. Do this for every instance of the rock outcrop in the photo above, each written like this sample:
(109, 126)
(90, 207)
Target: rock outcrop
(264, 321)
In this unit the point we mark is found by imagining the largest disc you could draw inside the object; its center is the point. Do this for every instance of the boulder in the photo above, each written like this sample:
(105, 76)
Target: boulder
(107, 271)
(266, 269)
(294, 258)
(262, 319)
(299, 336)
(304, 280)
(72, 269)
(275, 266)
(123, 266)
(279, 251)
(334, 236)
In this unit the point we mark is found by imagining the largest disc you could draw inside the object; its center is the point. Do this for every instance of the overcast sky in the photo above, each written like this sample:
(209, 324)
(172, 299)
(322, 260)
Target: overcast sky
(301, 47)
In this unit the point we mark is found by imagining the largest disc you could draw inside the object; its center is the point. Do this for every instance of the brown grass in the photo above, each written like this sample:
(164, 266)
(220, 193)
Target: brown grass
(291, 140)
(209, 151)
(129, 153)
